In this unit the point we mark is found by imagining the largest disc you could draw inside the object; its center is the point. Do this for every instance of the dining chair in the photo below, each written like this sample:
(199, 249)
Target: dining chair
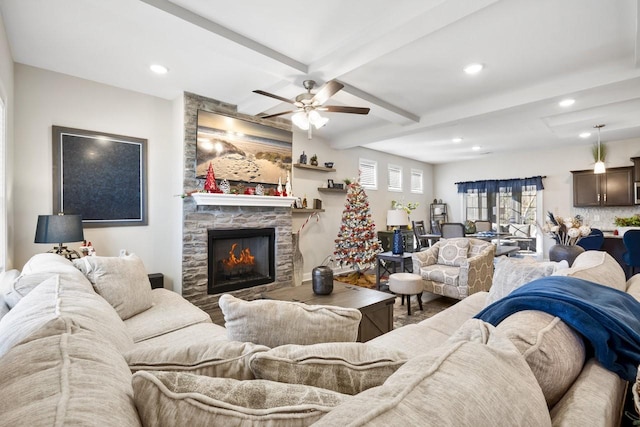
(592, 242)
(483, 225)
(452, 229)
(631, 241)
(418, 230)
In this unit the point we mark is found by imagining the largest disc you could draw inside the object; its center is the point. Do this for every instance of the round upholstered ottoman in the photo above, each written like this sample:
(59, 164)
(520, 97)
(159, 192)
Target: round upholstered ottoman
(407, 284)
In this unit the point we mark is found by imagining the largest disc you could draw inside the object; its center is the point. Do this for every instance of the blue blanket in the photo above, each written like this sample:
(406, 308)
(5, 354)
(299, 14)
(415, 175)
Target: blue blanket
(607, 318)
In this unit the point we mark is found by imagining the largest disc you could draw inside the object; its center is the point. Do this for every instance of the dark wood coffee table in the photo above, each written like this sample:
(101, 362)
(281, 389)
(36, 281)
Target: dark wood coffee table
(376, 307)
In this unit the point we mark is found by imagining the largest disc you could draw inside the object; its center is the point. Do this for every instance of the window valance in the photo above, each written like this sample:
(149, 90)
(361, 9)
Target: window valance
(495, 185)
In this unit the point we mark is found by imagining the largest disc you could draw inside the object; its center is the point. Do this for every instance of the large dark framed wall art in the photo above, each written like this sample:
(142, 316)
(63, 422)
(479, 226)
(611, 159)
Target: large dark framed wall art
(100, 176)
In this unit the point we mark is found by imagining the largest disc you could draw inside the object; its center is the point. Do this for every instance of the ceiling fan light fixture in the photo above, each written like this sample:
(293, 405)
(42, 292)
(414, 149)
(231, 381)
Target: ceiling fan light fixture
(321, 122)
(301, 120)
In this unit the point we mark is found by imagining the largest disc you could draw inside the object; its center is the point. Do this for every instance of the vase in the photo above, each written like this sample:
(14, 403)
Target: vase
(565, 252)
(398, 243)
(298, 260)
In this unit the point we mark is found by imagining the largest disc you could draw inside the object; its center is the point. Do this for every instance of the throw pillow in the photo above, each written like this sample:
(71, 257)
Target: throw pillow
(225, 359)
(122, 281)
(273, 323)
(598, 267)
(511, 273)
(65, 375)
(555, 352)
(175, 398)
(57, 297)
(477, 378)
(347, 368)
(453, 252)
(22, 285)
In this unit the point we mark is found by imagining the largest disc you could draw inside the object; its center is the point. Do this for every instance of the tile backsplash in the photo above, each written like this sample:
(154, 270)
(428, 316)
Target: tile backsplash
(603, 218)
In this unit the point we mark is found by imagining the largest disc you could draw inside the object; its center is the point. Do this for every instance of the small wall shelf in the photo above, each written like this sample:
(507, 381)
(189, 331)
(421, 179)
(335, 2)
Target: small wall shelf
(296, 210)
(315, 168)
(332, 190)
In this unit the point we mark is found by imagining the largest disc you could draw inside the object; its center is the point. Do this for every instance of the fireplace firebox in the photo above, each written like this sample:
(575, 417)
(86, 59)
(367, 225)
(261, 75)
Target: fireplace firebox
(240, 258)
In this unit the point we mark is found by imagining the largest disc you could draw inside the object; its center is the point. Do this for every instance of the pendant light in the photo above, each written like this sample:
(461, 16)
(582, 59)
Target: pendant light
(599, 167)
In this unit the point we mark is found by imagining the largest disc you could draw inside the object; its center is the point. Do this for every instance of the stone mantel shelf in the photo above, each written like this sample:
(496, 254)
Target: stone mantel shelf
(212, 199)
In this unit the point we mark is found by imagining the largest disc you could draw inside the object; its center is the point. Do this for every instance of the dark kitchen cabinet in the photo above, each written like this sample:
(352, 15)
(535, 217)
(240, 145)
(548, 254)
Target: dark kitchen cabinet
(613, 188)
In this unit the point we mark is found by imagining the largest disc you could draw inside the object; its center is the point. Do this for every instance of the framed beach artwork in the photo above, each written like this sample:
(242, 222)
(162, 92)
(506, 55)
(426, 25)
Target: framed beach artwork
(100, 176)
(241, 151)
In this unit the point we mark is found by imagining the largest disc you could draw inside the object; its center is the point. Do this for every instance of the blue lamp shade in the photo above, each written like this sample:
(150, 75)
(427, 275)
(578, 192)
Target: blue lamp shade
(59, 229)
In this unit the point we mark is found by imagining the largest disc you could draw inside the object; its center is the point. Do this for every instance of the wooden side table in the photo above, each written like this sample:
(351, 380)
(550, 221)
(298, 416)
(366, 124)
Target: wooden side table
(376, 307)
(387, 261)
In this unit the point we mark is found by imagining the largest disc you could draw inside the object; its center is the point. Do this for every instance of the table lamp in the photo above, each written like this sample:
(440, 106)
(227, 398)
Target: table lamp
(59, 229)
(397, 218)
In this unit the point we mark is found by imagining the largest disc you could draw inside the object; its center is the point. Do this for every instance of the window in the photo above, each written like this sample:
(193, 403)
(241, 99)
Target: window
(514, 207)
(3, 190)
(416, 181)
(394, 178)
(368, 174)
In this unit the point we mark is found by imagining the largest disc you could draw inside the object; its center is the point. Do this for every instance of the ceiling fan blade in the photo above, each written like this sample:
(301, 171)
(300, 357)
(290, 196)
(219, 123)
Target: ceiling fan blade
(268, 116)
(340, 109)
(325, 92)
(261, 92)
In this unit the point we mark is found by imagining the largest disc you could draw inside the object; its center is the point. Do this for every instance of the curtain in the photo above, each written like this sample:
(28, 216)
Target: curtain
(494, 185)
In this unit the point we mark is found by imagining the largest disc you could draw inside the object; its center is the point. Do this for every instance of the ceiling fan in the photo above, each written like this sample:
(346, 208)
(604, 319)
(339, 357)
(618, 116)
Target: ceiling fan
(309, 104)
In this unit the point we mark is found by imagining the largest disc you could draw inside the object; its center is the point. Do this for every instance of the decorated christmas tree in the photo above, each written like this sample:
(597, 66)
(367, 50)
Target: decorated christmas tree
(357, 244)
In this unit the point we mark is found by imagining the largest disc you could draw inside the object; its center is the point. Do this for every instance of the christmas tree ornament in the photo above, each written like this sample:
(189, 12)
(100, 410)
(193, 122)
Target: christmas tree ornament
(225, 187)
(210, 185)
(287, 186)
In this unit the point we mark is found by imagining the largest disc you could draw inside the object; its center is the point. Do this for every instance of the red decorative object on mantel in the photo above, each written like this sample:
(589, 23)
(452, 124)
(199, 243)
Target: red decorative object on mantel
(210, 185)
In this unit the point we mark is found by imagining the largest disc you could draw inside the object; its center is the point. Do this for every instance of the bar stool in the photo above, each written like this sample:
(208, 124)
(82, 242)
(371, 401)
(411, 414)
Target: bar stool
(407, 284)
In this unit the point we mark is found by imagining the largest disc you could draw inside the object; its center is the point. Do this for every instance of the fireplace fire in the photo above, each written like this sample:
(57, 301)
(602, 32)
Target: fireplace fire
(240, 258)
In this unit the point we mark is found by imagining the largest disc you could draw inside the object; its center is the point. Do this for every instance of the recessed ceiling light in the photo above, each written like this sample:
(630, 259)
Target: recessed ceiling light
(473, 68)
(585, 135)
(476, 148)
(567, 102)
(457, 139)
(159, 69)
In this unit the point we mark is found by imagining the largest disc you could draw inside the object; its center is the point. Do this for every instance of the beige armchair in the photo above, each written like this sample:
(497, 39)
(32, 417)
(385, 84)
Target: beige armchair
(456, 268)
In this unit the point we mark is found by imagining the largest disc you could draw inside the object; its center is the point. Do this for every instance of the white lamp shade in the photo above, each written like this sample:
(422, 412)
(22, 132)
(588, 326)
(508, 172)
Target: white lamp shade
(599, 167)
(301, 120)
(397, 217)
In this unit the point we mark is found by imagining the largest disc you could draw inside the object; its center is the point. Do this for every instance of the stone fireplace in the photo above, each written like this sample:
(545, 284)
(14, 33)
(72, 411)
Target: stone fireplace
(201, 219)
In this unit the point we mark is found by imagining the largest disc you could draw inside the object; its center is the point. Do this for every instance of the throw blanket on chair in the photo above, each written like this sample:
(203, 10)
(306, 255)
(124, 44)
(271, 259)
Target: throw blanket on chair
(607, 318)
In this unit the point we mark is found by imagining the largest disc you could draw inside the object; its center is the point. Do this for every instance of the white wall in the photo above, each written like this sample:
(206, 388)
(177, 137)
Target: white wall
(6, 94)
(317, 239)
(555, 164)
(44, 99)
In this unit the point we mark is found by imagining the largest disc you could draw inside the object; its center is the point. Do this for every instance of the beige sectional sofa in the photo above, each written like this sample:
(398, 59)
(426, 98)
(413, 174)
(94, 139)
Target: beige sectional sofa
(92, 344)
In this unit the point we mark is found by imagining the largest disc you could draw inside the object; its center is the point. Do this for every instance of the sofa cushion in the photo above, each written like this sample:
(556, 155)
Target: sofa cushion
(65, 375)
(344, 367)
(58, 297)
(168, 312)
(453, 252)
(273, 323)
(226, 359)
(122, 281)
(633, 286)
(511, 273)
(477, 378)
(598, 267)
(175, 398)
(555, 352)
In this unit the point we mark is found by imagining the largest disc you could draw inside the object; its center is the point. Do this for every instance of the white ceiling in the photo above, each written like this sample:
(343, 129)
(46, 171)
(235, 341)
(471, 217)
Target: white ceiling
(405, 62)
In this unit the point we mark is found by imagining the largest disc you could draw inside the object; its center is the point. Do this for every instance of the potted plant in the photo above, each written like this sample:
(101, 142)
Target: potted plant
(314, 160)
(628, 223)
